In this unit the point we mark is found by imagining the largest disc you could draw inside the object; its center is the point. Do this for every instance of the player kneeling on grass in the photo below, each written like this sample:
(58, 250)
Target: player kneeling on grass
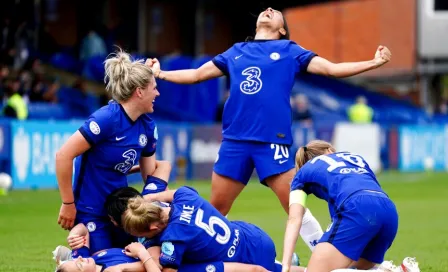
(364, 218)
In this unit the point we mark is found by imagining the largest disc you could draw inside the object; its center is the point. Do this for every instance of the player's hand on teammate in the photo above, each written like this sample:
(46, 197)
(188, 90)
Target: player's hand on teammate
(67, 215)
(154, 64)
(382, 55)
(136, 250)
(76, 241)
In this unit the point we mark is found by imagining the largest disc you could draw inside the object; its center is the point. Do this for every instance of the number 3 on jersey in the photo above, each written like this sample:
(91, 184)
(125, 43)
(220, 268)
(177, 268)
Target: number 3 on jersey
(281, 153)
(253, 83)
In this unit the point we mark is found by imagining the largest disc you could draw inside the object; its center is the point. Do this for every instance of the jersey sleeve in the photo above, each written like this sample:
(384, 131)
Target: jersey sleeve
(152, 136)
(222, 60)
(185, 193)
(302, 57)
(171, 254)
(298, 183)
(98, 127)
(82, 252)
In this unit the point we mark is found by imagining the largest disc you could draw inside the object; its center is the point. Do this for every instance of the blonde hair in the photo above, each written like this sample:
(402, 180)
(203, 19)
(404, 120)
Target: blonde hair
(312, 149)
(140, 215)
(124, 75)
(62, 267)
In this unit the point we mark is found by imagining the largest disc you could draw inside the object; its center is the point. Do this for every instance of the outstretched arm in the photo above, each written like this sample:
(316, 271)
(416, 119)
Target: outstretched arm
(321, 66)
(165, 196)
(187, 76)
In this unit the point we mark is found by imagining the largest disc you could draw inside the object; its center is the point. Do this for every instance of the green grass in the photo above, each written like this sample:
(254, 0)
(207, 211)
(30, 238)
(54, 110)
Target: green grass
(29, 229)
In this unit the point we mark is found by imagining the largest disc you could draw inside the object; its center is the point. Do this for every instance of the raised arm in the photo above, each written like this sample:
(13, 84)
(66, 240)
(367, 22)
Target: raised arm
(188, 76)
(321, 66)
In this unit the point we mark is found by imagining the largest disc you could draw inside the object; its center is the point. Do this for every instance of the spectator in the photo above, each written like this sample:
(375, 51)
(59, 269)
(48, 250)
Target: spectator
(43, 90)
(15, 104)
(22, 45)
(360, 112)
(300, 109)
(4, 73)
(92, 45)
(6, 42)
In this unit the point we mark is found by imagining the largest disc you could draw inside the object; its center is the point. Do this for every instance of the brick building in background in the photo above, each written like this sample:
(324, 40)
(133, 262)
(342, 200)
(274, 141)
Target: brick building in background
(414, 30)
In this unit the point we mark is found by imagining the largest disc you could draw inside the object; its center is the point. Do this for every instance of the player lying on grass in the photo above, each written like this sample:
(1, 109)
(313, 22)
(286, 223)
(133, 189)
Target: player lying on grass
(191, 230)
(120, 260)
(116, 259)
(364, 218)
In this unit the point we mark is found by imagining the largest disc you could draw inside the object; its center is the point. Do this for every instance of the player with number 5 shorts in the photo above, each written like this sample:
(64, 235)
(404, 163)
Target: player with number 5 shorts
(257, 115)
(364, 218)
(106, 147)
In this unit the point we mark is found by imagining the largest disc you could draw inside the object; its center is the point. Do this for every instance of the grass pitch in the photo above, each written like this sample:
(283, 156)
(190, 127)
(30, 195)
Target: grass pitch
(29, 229)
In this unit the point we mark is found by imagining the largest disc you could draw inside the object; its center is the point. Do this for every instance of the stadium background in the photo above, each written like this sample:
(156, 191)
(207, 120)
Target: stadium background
(407, 143)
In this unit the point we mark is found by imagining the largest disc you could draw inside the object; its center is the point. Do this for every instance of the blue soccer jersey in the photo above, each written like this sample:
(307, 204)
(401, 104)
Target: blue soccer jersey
(335, 177)
(111, 257)
(262, 74)
(117, 143)
(105, 258)
(198, 233)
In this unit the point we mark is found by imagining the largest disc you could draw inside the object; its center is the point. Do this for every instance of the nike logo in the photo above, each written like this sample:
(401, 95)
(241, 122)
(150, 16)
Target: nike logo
(119, 139)
(282, 162)
(237, 57)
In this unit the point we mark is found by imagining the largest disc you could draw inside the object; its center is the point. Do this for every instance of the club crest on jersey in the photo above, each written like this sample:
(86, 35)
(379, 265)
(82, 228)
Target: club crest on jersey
(142, 140)
(102, 254)
(210, 268)
(94, 127)
(91, 226)
(151, 187)
(275, 56)
(167, 248)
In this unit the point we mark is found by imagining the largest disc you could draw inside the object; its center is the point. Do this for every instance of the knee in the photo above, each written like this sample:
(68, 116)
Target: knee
(221, 204)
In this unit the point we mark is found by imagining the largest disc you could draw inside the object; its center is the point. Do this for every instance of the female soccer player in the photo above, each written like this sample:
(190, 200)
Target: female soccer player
(133, 258)
(191, 230)
(106, 146)
(257, 115)
(364, 218)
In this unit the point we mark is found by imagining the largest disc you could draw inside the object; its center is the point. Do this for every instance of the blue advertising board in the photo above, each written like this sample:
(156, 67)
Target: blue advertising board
(5, 145)
(34, 146)
(423, 148)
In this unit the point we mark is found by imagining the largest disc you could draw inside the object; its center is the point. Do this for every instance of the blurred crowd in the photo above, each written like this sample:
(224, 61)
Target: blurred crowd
(23, 78)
